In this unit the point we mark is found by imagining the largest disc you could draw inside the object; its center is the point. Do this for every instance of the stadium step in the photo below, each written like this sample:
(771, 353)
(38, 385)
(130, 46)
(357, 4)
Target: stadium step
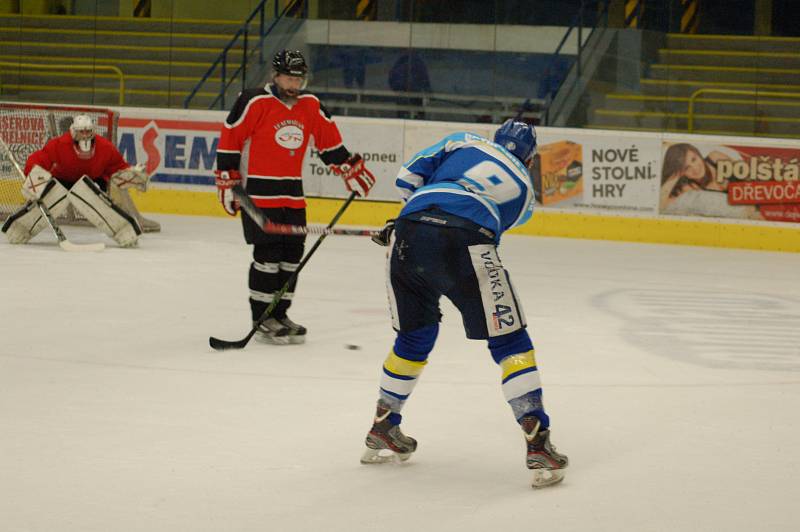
(744, 43)
(711, 104)
(732, 74)
(732, 124)
(732, 58)
(66, 22)
(690, 63)
(161, 59)
(11, 35)
(66, 50)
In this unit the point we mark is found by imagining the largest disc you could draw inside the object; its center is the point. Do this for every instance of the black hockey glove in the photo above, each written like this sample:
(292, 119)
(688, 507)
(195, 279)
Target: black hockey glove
(383, 236)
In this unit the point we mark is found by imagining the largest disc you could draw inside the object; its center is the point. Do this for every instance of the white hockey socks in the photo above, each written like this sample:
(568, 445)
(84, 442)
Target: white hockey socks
(95, 205)
(29, 221)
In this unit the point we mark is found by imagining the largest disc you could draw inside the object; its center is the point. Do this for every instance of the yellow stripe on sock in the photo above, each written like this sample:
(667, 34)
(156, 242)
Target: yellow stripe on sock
(514, 363)
(402, 366)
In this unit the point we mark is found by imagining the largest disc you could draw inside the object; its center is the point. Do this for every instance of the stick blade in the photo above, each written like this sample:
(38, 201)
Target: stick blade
(225, 345)
(66, 245)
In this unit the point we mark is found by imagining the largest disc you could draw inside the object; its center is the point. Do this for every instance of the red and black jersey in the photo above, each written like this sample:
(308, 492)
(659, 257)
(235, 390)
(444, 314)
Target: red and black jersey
(266, 139)
(60, 158)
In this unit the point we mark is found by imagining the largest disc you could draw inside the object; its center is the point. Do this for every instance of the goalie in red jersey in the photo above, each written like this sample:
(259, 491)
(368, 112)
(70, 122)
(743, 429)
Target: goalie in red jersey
(76, 168)
(269, 128)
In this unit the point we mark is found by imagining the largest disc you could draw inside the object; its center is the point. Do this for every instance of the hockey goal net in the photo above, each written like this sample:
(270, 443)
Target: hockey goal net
(25, 128)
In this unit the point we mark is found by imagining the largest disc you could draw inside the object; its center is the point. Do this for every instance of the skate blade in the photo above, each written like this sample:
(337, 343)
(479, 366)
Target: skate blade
(383, 456)
(295, 340)
(543, 478)
(272, 340)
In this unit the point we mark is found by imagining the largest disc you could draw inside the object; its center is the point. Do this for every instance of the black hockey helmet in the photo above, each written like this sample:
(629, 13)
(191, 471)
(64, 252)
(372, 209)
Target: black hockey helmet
(290, 63)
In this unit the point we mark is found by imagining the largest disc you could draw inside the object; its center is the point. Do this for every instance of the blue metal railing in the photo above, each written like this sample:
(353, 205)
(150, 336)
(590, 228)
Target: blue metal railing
(243, 33)
(601, 7)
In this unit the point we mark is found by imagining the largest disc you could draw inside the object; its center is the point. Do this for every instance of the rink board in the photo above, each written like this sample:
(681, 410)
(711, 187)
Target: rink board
(696, 232)
(595, 184)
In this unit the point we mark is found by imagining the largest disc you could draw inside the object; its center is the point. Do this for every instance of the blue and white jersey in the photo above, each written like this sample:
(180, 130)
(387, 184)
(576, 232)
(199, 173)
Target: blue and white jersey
(468, 176)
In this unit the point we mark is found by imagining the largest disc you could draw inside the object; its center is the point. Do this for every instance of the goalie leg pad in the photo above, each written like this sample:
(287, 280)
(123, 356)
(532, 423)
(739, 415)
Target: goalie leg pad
(122, 198)
(95, 205)
(29, 221)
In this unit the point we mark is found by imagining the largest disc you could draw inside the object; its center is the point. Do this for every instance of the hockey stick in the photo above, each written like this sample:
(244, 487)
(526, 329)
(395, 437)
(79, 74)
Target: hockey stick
(63, 242)
(222, 345)
(272, 228)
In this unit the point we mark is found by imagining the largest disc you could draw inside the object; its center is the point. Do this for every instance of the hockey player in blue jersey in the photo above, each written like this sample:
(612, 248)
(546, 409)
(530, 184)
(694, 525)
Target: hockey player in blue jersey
(460, 195)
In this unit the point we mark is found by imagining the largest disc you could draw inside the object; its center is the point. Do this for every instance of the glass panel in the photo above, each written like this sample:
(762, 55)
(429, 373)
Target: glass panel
(422, 59)
(715, 75)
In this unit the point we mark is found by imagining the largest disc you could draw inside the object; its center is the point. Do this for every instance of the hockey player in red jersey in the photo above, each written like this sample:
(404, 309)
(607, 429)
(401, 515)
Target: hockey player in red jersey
(269, 128)
(76, 168)
(77, 153)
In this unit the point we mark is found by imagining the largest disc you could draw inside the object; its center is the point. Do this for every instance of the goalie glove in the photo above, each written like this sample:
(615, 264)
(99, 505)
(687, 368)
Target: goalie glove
(383, 236)
(355, 175)
(35, 183)
(226, 180)
(133, 176)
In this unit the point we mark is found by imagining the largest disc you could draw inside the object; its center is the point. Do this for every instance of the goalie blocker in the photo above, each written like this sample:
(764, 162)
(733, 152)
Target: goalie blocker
(88, 199)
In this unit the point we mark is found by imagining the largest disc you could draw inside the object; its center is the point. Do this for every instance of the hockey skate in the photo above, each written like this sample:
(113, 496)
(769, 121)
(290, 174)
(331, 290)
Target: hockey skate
(547, 464)
(386, 442)
(297, 333)
(271, 331)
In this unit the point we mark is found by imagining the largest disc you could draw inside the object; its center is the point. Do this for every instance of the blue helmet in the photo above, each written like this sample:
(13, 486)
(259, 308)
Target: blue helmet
(517, 137)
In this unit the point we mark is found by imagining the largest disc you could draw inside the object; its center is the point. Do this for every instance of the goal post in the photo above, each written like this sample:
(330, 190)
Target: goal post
(27, 127)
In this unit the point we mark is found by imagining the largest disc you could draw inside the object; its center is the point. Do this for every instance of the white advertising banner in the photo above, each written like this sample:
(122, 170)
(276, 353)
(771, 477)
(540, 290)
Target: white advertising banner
(598, 170)
(381, 147)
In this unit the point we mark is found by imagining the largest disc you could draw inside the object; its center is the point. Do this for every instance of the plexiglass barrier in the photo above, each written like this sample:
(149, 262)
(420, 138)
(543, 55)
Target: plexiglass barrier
(641, 66)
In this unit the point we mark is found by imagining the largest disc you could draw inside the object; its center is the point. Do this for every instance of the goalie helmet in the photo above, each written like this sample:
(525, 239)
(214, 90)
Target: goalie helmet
(83, 132)
(517, 137)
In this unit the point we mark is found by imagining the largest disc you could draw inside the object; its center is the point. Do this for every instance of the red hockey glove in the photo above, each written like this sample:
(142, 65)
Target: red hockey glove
(226, 180)
(355, 175)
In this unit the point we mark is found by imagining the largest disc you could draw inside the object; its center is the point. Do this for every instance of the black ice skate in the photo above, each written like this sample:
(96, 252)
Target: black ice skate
(547, 464)
(297, 333)
(385, 441)
(272, 331)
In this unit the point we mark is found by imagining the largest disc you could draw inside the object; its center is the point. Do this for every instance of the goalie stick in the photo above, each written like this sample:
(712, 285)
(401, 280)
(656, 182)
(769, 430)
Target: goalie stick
(63, 242)
(270, 227)
(222, 345)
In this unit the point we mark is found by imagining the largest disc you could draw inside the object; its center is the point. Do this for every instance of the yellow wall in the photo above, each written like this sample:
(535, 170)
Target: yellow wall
(9, 6)
(194, 9)
(34, 7)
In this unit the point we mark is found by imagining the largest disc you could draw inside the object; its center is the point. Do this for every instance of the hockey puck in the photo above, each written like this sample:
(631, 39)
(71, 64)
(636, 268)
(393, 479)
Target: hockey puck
(352, 347)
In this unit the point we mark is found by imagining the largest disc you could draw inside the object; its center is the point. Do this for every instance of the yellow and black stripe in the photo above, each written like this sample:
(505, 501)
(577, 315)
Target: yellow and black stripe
(366, 10)
(690, 16)
(142, 9)
(634, 10)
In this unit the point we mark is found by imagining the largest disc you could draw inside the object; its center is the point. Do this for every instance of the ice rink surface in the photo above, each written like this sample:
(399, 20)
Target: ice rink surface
(672, 375)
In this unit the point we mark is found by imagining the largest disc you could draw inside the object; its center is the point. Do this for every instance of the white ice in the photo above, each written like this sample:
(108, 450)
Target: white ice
(672, 375)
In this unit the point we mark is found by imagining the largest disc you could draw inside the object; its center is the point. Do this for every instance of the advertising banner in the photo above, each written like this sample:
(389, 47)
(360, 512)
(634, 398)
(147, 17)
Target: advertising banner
(576, 169)
(381, 145)
(179, 149)
(756, 182)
